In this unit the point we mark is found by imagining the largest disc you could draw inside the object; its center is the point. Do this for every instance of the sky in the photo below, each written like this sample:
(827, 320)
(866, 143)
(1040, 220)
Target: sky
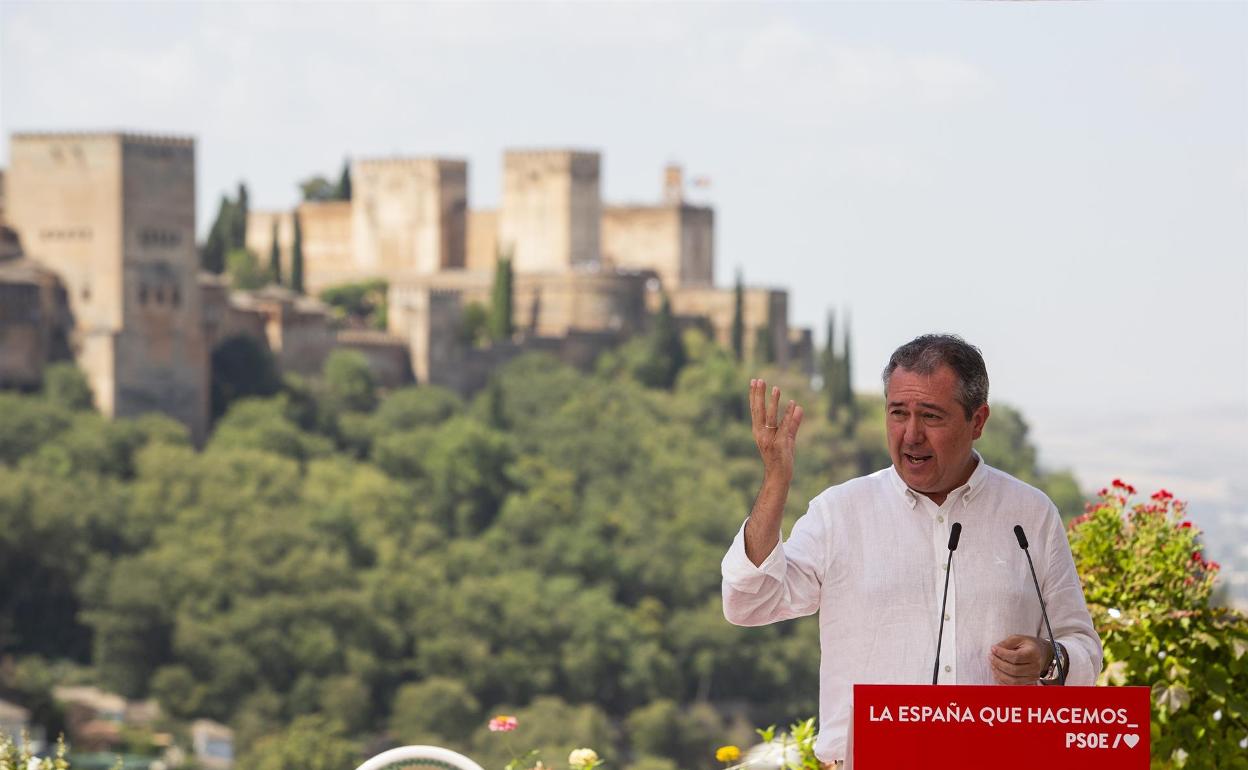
(1064, 184)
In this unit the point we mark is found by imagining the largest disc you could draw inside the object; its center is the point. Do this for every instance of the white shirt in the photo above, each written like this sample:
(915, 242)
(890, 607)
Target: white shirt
(869, 556)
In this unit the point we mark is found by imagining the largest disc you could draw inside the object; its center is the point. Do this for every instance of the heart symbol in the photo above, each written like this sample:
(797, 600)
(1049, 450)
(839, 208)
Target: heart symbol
(1131, 740)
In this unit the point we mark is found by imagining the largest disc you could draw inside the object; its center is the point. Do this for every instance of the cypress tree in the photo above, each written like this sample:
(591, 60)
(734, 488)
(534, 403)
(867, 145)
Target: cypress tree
(738, 320)
(344, 181)
(238, 222)
(667, 349)
(212, 254)
(831, 370)
(296, 257)
(275, 258)
(501, 301)
(847, 381)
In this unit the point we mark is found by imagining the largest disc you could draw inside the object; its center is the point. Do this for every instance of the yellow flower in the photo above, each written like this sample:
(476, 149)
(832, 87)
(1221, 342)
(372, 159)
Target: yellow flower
(727, 754)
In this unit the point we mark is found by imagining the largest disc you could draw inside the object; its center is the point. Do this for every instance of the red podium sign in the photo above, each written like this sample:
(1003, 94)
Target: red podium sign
(977, 726)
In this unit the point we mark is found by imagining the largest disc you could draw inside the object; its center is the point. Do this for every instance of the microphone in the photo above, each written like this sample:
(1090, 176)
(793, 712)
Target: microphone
(1057, 657)
(954, 533)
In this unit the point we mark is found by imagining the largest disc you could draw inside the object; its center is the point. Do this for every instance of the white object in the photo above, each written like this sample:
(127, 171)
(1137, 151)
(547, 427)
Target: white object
(420, 758)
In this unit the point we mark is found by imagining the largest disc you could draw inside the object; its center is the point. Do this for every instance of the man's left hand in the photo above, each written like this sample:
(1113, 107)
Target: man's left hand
(1019, 659)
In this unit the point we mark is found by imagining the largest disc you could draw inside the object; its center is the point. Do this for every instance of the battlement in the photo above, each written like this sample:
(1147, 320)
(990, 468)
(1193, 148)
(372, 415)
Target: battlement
(542, 153)
(129, 137)
(410, 161)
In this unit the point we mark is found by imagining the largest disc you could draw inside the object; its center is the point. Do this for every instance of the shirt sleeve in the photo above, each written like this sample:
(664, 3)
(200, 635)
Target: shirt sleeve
(786, 585)
(1063, 596)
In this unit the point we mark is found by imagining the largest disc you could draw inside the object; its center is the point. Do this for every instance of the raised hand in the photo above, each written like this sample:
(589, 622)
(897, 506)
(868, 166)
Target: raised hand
(776, 438)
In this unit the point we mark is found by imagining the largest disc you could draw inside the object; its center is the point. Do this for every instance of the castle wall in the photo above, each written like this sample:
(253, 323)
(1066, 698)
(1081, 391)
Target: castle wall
(675, 241)
(259, 238)
(64, 202)
(482, 252)
(114, 216)
(761, 309)
(551, 212)
(35, 322)
(387, 355)
(408, 215)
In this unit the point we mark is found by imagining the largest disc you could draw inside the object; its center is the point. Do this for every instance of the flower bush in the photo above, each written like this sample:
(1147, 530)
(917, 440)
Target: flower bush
(579, 759)
(15, 757)
(1148, 586)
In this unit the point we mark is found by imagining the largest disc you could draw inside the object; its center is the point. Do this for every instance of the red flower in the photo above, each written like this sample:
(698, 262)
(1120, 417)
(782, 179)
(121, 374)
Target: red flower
(1162, 495)
(1117, 483)
(1196, 557)
(1104, 491)
(1130, 490)
(1185, 525)
(1214, 565)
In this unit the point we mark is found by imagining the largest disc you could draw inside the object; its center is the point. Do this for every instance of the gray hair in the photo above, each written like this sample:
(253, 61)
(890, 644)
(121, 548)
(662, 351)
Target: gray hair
(925, 354)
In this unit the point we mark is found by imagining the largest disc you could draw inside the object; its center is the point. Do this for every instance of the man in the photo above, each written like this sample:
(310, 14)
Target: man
(869, 555)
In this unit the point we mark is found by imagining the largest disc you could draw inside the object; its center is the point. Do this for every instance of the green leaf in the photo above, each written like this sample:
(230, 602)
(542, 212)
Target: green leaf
(1172, 697)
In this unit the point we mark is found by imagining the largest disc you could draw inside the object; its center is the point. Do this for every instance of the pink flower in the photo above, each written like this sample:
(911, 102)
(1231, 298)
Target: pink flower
(503, 723)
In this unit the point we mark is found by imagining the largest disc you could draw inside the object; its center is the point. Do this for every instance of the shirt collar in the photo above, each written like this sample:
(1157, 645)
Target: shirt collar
(969, 490)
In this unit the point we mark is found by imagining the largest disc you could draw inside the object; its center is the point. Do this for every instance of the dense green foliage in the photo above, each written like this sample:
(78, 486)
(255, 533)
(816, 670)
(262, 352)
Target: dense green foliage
(1148, 587)
(337, 562)
(245, 270)
(361, 304)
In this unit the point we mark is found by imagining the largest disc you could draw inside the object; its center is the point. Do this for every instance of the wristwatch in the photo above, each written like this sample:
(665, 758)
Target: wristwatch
(1053, 675)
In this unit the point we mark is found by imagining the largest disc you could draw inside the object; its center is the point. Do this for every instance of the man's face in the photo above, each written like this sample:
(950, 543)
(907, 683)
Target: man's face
(929, 436)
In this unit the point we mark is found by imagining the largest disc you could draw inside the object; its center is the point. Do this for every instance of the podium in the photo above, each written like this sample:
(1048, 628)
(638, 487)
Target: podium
(986, 726)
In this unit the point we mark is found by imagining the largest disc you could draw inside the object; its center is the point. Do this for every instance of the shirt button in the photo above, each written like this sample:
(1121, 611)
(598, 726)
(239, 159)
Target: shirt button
(944, 567)
(941, 519)
(948, 669)
(946, 616)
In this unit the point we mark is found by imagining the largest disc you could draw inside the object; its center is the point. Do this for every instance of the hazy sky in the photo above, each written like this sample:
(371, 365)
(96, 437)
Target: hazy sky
(1065, 184)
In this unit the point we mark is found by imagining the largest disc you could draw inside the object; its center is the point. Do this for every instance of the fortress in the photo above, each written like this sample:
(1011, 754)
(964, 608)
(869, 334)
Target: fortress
(105, 269)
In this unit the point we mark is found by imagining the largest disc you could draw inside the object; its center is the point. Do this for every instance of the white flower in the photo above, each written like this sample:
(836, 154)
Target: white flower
(1217, 715)
(1162, 656)
(583, 758)
(1115, 613)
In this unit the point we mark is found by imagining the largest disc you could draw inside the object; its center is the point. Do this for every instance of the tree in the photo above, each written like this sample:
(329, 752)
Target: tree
(344, 181)
(241, 368)
(438, 709)
(846, 382)
(275, 258)
(502, 301)
(238, 223)
(738, 319)
(764, 345)
(244, 270)
(212, 253)
(349, 381)
(64, 384)
(311, 743)
(296, 256)
(318, 188)
(831, 368)
(1148, 587)
(666, 354)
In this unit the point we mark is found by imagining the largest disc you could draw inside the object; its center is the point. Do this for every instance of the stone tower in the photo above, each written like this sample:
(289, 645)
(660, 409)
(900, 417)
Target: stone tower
(114, 216)
(552, 208)
(409, 215)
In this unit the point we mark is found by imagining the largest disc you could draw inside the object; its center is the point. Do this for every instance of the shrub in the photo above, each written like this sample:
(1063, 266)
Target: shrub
(1148, 587)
